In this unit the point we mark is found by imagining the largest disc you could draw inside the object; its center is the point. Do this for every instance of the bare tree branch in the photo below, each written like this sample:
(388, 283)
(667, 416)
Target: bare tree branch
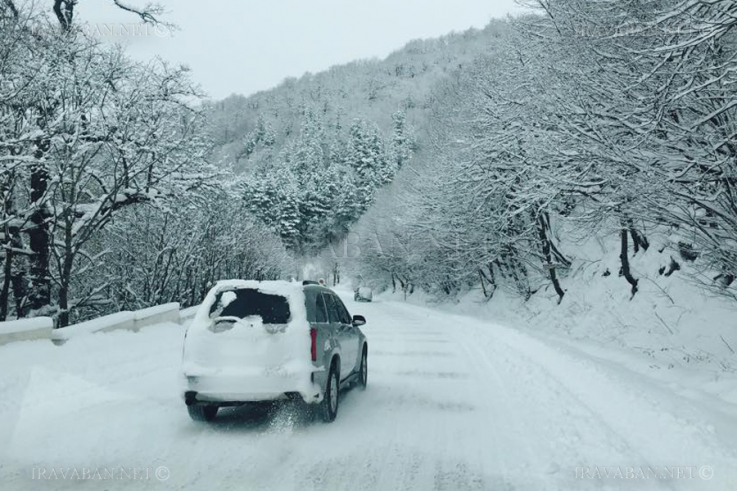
(149, 14)
(64, 11)
(13, 9)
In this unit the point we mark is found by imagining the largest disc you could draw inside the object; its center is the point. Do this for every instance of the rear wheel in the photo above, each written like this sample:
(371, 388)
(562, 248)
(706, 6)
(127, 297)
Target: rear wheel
(363, 371)
(202, 413)
(329, 404)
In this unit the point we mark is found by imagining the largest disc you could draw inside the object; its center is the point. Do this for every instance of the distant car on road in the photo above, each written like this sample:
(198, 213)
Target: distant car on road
(363, 294)
(265, 341)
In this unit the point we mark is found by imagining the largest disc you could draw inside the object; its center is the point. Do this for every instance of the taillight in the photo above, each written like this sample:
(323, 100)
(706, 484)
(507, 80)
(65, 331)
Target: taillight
(313, 343)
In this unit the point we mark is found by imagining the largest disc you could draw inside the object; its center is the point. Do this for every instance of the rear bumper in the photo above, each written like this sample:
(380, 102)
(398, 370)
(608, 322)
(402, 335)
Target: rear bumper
(235, 389)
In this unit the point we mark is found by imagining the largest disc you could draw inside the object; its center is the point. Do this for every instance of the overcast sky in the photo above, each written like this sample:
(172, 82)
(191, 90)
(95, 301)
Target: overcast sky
(243, 46)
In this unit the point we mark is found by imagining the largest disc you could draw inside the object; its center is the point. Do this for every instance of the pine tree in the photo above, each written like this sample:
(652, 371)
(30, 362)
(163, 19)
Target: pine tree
(365, 154)
(403, 142)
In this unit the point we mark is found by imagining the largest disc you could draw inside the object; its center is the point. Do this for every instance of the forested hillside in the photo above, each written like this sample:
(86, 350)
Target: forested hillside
(316, 149)
(604, 120)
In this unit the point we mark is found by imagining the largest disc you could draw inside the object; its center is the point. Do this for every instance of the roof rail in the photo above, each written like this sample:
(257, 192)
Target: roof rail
(310, 282)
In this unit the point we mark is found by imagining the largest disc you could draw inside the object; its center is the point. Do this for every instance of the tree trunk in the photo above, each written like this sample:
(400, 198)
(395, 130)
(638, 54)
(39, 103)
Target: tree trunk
(626, 263)
(519, 274)
(5, 292)
(546, 249)
(336, 273)
(63, 306)
(483, 285)
(65, 281)
(491, 280)
(559, 256)
(639, 240)
(20, 289)
(39, 236)
(15, 264)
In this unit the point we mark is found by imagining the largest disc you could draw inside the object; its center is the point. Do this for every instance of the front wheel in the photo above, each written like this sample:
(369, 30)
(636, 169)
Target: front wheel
(363, 371)
(329, 405)
(202, 413)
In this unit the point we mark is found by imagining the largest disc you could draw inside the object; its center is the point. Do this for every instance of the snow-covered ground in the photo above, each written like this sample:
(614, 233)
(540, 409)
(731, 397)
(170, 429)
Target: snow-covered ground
(671, 330)
(453, 403)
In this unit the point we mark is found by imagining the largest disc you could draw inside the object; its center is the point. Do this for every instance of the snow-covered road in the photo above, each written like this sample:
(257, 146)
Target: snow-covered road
(453, 403)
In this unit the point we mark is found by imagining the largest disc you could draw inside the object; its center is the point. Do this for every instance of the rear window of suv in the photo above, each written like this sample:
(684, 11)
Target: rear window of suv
(245, 302)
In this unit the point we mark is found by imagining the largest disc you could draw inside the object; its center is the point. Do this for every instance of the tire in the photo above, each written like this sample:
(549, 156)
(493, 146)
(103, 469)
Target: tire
(363, 371)
(202, 413)
(329, 406)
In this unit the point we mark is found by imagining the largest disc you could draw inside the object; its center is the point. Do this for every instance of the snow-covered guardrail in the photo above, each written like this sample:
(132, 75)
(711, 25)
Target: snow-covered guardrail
(112, 322)
(186, 315)
(26, 329)
(169, 312)
(126, 320)
(43, 327)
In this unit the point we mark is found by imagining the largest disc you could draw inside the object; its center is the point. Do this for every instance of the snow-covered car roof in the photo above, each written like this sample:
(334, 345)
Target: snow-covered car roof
(274, 287)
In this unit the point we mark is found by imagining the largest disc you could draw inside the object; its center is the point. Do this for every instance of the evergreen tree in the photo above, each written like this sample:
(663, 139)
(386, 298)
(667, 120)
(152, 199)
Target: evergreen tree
(403, 142)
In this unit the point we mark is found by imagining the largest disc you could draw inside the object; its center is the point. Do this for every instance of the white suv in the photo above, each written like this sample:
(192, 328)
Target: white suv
(271, 340)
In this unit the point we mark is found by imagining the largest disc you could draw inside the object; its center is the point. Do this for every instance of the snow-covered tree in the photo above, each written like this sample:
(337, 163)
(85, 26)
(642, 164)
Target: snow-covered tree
(87, 136)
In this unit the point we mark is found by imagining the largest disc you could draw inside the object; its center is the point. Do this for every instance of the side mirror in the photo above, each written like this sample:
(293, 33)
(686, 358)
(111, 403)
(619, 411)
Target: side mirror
(358, 320)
